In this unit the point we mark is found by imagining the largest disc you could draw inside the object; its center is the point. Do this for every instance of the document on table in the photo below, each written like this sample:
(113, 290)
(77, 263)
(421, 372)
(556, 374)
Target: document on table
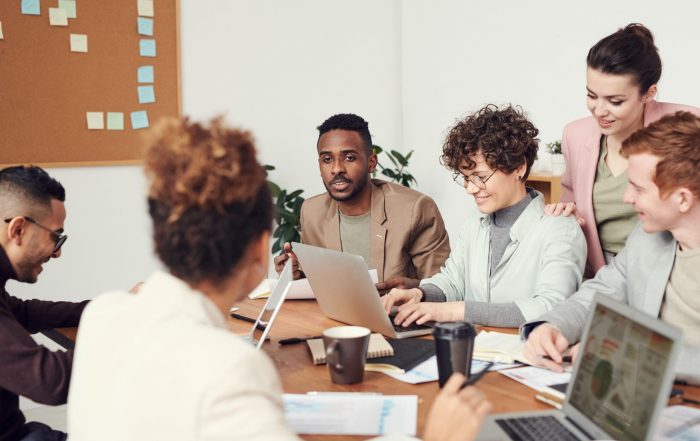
(499, 347)
(428, 371)
(300, 289)
(351, 413)
(537, 378)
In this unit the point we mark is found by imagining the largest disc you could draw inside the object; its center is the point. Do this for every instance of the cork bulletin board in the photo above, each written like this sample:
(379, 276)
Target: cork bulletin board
(79, 82)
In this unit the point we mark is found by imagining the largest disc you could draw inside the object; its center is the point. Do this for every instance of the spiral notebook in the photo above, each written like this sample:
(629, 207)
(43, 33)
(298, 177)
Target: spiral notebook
(378, 347)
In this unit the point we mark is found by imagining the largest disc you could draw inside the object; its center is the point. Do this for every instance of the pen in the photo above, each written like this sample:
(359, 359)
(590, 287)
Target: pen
(564, 359)
(294, 340)
(258, 326)
(476, 377)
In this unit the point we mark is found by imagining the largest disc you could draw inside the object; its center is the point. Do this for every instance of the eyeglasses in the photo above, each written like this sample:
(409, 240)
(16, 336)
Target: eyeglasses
(462, 180)
(58, 238)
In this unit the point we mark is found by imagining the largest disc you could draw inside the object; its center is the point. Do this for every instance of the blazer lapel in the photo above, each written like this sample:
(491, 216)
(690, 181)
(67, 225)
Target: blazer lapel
(378, 231)
(659, 274)
(331, 233)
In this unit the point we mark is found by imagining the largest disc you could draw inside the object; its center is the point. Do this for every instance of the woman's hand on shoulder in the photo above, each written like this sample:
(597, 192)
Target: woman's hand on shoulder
(564, 209)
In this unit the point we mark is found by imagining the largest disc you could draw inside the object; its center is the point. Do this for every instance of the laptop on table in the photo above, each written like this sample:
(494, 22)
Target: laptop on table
(263, 324)
(623, 374)
(345, 291)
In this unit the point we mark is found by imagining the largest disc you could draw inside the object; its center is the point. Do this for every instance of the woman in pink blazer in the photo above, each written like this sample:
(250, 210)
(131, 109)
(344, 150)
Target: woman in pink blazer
(623, 70)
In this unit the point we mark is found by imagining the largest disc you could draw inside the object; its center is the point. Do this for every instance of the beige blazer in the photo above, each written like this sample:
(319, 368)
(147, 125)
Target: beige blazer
(408, 234)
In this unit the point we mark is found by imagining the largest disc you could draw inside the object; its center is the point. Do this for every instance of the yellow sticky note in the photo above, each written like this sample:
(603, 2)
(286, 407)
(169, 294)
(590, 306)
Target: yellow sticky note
(95, 120)
(58, 17)
(78, 43)
(145, 8)
(2, 37)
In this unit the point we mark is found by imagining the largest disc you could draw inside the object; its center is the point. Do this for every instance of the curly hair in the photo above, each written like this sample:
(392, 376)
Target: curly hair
(208, 198)
(505, 137)
(351, 122)
(675, 140)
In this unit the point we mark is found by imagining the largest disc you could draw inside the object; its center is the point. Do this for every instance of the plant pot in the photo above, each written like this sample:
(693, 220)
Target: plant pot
(558, 164)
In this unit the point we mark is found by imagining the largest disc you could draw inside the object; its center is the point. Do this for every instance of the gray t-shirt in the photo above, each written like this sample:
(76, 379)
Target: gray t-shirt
(355, 236)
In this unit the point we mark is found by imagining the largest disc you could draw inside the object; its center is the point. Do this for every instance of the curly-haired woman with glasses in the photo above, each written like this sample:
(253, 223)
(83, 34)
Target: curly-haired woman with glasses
(511, 262)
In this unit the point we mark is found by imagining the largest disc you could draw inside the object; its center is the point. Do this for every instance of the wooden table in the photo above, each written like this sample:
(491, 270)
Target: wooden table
(302, 318)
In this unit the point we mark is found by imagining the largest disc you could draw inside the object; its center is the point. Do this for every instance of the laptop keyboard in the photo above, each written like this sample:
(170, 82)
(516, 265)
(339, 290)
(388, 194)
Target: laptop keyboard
(536, 428)
(412, 327)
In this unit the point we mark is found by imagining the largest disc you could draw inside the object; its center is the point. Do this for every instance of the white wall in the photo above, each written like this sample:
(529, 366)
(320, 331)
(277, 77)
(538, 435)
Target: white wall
(458, 56)
(409, 67)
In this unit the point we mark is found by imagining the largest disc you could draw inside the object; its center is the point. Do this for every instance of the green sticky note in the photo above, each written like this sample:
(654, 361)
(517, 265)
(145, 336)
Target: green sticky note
(115, 121)
(147, 47)
(31, 7)
(145, 74)
(139, 120)
(69, 7)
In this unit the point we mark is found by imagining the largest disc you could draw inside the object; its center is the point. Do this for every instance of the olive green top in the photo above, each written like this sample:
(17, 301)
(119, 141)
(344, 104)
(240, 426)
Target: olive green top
(355, 236)
(614, 218)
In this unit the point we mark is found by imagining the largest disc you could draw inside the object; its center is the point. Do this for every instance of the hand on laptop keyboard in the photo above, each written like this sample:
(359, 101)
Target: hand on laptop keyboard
(420, 313)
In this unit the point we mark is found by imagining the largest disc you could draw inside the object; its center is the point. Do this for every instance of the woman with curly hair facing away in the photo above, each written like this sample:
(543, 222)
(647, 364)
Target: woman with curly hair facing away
(162, 364)
(511, 263)
(621, 83)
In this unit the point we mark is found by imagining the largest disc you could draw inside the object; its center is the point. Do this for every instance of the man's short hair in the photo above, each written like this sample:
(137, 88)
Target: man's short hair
(31, 184)
(675, 140)
(351, 122)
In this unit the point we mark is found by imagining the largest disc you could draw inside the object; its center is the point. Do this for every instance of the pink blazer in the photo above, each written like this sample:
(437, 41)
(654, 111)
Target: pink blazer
(580, 144)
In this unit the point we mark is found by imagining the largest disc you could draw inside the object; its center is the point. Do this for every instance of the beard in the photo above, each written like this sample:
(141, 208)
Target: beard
(359, 186)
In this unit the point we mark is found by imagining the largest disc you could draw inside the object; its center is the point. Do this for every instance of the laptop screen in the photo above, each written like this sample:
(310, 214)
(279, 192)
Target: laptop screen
(620, 375)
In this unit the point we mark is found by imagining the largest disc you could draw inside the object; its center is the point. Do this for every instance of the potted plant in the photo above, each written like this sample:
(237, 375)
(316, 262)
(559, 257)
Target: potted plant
(557, 159)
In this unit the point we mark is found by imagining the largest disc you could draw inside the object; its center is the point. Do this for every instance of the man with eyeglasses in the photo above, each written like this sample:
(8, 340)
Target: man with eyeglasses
(511, 263)
(32, 212)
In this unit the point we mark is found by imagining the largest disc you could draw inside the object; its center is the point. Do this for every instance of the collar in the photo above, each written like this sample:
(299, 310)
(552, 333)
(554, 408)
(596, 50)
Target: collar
(530, 216)
(6, 270)
(377, 209)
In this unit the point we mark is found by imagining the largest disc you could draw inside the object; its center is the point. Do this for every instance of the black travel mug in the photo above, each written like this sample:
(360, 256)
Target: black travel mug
(454, 345)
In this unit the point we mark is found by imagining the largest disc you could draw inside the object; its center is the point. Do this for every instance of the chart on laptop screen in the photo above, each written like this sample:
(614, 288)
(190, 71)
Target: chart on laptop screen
(620, 375)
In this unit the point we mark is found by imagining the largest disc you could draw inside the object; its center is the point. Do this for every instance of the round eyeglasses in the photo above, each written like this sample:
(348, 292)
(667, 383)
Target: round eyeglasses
(480, 182)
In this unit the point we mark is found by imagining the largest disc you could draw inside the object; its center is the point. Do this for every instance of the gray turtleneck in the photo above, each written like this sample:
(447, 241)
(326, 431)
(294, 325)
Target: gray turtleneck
(485, 313)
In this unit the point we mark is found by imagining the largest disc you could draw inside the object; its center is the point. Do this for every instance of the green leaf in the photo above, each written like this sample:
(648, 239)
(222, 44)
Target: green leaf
(408, 156)
(276, 247)
(281, 199)
(289, 217)
(376, 149)
(268, 167)
(391, 158)
(294, 194)
(297, 206)
(274, 189)
(400, 158)
(389, 173)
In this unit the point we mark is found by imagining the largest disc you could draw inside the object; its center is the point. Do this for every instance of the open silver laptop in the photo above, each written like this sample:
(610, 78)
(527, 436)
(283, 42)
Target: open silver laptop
(267, 315)
(345, 291)
(621, 379)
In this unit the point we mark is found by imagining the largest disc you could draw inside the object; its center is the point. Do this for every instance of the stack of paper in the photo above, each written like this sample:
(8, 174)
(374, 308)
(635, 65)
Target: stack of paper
(499, 347)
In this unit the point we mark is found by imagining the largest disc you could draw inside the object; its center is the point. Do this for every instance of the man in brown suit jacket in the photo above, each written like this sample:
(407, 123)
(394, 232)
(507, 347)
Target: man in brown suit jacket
(398, 231)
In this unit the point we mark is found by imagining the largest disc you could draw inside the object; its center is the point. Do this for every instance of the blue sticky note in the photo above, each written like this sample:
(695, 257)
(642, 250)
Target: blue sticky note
(146, 95)
(148, 47)
(139, 120)
(145, 26)
(145, 74)
(31, 7)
